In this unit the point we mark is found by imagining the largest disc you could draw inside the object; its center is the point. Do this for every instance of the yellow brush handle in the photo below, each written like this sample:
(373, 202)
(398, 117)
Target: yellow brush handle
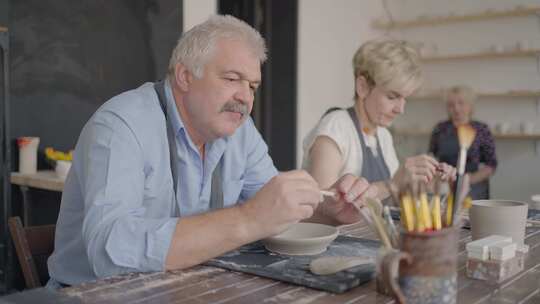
(449, 209)
(436, 213)
(424, 205)
(420, 222)
(407, 212)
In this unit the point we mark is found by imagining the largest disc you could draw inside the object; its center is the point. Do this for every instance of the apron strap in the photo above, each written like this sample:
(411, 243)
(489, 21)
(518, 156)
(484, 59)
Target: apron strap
(374, 169)
(216, 190)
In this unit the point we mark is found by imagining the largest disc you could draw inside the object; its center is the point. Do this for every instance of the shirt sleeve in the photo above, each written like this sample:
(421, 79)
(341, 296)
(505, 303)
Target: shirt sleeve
(487, 147)
(117, 236)
(259, 167)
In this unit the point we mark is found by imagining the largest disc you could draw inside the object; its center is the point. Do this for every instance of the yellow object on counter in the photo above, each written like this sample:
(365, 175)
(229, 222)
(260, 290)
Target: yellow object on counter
(55, 155)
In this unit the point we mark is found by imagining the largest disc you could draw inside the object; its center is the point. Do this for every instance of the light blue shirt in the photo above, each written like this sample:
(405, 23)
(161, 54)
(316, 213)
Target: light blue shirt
(118, 210)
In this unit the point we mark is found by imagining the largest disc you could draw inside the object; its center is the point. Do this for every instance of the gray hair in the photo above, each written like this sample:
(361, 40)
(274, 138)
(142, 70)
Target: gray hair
(196, 46)
(392, 64)
(465, 92)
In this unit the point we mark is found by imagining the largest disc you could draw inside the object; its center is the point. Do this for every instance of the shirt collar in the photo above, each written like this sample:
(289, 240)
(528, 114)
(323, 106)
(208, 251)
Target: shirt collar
(217, 146)
(174, 116)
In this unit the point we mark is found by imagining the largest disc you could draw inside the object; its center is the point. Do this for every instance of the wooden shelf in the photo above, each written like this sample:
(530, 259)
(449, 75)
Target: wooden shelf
(428, 21)
(47, 180)
(419, 133)
(483, 55)
(510, 94)
(3, 29)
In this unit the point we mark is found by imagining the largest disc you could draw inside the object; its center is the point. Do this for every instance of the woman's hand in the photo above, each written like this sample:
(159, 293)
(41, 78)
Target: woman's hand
(350, 193)
(421, 168)
(446, 172)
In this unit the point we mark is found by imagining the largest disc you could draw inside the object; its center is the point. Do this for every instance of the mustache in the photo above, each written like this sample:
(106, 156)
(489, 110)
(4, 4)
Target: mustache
(236, 107)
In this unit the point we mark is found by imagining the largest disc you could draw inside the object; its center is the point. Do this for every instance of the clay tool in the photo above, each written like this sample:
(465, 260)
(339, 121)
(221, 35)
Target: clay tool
(332, 264)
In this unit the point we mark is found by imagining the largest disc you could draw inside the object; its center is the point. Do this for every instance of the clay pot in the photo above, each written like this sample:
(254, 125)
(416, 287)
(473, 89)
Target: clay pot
(500, 217)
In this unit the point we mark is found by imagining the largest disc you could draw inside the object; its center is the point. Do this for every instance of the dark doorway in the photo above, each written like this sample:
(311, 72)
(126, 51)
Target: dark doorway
(274, 111)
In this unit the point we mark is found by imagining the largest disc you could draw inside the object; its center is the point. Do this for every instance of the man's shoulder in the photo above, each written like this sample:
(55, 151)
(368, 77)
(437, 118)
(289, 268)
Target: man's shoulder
(138, 102)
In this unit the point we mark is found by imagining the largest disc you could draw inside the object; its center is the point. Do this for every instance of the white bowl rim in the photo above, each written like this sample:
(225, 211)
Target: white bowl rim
(503, 203)
(335, 232)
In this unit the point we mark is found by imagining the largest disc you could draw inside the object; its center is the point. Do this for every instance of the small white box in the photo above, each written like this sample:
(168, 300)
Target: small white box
(484, 256)
(502, 250)
(480, 243)
(523, 248)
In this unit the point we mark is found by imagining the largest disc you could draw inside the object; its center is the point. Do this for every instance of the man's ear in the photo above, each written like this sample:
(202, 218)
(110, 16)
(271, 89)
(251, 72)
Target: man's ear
(183, 77)
(362, 87)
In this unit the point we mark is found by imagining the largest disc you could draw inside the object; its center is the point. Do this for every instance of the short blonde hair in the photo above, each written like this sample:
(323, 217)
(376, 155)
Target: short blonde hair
(392, 64)
(195, 47)
(465, 92)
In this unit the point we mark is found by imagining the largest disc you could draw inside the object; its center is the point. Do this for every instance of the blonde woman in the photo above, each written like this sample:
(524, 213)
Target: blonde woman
(481, 157)
(356, 140)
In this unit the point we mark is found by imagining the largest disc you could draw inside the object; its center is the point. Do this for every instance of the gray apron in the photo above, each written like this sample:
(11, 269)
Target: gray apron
(448, 152)
(216, 190)
(374, 168)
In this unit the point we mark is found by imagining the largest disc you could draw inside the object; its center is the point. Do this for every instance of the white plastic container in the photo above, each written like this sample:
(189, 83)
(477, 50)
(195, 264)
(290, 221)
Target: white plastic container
(28, 147)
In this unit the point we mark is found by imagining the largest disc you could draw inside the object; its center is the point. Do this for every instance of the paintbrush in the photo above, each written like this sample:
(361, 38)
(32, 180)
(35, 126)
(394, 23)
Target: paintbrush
(391, 227)
(436, 206)
(459, 203)
(419, 215)
(378, 221)
(466, 135)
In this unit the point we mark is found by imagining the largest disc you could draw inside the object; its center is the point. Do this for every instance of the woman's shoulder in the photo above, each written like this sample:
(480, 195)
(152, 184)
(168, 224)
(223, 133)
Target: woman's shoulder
(479, 125)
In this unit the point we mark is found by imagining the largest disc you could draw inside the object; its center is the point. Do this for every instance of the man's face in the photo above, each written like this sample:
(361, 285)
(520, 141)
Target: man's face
(219, 102)
(383, 106)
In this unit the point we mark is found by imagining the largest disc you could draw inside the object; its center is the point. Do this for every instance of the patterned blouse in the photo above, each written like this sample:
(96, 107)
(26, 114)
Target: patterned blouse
(445, 147)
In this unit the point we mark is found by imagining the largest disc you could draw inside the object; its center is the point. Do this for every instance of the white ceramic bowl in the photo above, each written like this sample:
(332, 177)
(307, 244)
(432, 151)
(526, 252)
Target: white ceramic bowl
(302, 239)
(498, 217)
(62, 168)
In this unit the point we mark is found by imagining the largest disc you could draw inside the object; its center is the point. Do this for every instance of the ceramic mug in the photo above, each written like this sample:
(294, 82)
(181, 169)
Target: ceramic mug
(499, 217)
(424, 270)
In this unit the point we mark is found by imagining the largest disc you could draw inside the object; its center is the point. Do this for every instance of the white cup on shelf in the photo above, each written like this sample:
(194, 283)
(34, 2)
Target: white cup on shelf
(28, 147)
(62, 168)
(527, 127)
(502, 127)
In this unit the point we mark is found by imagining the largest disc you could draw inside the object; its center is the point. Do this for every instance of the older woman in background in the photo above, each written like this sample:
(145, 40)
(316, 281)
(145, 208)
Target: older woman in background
(481, 158)
(356, 140)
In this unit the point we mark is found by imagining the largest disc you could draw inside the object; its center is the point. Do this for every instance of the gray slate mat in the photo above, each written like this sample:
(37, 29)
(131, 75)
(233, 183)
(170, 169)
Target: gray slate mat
(255, 259)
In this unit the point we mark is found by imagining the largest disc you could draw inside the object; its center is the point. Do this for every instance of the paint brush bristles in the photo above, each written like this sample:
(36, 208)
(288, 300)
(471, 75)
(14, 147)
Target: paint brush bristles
(466, 135)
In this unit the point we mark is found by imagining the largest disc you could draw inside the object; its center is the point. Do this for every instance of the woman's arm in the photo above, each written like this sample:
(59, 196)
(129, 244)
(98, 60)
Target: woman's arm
(482, 174)
(326, 161)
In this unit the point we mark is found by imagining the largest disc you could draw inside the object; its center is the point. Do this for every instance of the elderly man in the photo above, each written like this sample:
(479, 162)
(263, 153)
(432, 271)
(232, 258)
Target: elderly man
(172, 174)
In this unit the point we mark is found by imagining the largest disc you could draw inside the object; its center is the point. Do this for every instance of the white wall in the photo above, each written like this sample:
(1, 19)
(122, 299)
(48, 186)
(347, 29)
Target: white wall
(196, 11)
(330, 31)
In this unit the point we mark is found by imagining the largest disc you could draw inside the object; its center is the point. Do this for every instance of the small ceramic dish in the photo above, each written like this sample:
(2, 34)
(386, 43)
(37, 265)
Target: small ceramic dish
(302, 239)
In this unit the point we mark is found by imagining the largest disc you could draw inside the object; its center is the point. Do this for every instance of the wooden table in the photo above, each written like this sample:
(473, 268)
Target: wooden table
(204, 284)
(46, 180)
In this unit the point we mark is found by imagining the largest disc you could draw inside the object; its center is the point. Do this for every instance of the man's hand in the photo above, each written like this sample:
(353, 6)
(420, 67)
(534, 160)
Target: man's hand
(286, 199)
(349, 190)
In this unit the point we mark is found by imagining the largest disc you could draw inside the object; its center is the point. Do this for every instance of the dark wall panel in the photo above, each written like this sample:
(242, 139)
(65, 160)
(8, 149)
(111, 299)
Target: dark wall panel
(69, 57)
